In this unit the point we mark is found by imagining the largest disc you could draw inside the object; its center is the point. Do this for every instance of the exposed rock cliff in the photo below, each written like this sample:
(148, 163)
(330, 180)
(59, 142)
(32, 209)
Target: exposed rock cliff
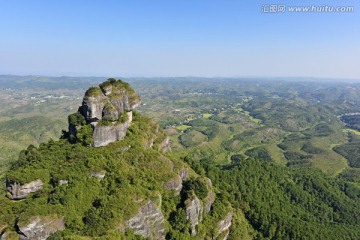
(110, 98)
(210, 198)
(148, 222)
(93, 105)
(103, 135)
(175, 184)
(184, 173)
(108, 108)
(164, 146)
(18, 191)
(225, 224)
(40, 227)
(193, 212)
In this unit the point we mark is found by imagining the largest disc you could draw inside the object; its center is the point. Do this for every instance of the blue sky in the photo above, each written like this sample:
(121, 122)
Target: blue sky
(178, 38)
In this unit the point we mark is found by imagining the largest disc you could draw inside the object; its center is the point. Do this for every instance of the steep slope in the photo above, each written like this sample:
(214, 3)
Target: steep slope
(77, 187)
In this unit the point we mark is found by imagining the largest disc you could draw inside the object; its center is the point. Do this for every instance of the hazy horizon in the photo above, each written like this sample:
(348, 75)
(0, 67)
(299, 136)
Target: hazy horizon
(281, 78)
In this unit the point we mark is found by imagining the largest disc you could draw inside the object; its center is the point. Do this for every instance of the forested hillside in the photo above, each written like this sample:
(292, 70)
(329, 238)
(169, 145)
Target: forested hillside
(249, 160)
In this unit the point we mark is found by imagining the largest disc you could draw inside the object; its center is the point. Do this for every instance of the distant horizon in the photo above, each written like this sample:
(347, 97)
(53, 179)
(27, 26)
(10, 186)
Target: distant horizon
(200, 77)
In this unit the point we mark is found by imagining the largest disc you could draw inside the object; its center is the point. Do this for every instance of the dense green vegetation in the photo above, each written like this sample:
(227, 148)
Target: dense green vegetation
(93, 92)
(259, 153)
(90, 206)
(205, 126)
(283, 158)
(283, 203)
(309, 148)
(16, 135)
(352, 121)
(76, 119)
(198, 186)
(350, 151)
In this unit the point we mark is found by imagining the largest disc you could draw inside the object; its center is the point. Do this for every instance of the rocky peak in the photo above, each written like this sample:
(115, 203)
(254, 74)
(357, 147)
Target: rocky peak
(108, 109)
(108, 101)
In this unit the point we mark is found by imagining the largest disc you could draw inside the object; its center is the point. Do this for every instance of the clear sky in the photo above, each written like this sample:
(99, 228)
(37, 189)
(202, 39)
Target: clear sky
(177, 38)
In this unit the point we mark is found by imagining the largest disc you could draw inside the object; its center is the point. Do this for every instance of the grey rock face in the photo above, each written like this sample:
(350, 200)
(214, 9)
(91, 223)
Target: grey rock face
(184, 174)
(106, 89)
(63, 182)
(123, 103)
(175, 184)
(149, 144)
(225, 224)
(18, 191)
(193, 212)
(108, 103)
(110, 113)
(130, 116)
(210, 198)
(148, 222)
(103, 135)
(165, 147)
(99, 175)
(40, 228)
(92, 107)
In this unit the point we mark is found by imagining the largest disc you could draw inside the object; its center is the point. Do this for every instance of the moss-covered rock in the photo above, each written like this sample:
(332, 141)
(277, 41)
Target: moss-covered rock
(93, 92)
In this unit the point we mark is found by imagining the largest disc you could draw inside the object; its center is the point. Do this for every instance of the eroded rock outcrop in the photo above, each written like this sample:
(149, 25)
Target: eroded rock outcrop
(225, 224)
(93, 105)
(210, 198)
(164, 146)
(175, 184)
(108, 108)
(109, 100)
(103, 135)
(148, 222)
(40, 227)
(3, 234)
(99, 175)
(194, 211)
(18, 191)
(184, 173)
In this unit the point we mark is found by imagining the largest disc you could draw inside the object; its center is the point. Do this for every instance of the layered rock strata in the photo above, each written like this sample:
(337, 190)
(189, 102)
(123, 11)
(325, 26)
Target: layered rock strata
(148, 222)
